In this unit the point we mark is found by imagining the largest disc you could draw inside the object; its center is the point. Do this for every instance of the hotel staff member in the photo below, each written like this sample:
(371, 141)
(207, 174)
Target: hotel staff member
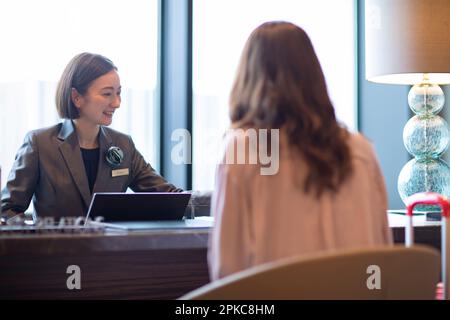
(62, 166)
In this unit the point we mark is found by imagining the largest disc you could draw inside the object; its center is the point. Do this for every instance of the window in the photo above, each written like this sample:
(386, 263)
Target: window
(38, 40)
(220, 30)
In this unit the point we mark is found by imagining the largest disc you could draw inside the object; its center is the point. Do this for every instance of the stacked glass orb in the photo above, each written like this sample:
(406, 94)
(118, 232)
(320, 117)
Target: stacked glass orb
(426, 137)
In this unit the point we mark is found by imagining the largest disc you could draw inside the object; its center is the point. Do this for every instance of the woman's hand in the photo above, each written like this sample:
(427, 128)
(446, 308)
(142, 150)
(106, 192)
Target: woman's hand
(13, 219)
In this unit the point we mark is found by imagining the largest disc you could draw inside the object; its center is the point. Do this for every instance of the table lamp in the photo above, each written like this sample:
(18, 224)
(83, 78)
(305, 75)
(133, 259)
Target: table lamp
(408, 42)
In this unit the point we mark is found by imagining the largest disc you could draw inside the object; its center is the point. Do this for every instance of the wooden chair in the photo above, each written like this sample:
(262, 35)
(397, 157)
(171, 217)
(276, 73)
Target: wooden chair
(388, 272)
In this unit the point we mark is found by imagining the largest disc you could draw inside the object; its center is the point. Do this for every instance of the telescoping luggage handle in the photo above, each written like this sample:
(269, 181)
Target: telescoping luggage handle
(431, 198)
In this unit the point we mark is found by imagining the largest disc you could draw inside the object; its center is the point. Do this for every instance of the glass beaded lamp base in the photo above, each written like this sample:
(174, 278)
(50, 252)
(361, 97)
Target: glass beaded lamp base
(426, 137)
(431, 175)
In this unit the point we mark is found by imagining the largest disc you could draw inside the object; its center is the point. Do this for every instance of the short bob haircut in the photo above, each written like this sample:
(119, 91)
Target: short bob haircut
(79, 74)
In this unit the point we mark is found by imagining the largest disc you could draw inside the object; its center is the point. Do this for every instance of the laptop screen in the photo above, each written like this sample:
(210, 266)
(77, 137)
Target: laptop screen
(148, 206)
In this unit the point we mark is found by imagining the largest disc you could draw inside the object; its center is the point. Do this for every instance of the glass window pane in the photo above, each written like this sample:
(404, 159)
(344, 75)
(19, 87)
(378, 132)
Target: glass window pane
(221, 28)
(38, 40)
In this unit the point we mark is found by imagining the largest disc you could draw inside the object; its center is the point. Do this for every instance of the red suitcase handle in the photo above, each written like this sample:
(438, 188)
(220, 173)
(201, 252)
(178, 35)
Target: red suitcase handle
(432, 198)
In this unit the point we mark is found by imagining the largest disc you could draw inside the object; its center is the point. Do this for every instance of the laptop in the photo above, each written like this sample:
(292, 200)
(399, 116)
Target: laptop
(141, 211)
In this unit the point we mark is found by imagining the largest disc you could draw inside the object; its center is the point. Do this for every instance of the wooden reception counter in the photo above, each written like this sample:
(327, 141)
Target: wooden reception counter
(157, 264)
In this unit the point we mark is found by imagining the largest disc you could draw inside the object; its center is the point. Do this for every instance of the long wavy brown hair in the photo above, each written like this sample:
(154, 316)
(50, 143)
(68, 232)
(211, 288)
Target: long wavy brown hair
(280, 84)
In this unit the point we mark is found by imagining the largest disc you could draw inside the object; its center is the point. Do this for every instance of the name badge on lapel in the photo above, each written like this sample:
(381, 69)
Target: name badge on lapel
(120, 172)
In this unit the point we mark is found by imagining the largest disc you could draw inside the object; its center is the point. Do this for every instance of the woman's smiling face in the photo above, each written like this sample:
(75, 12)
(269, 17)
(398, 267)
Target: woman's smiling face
(102, 98)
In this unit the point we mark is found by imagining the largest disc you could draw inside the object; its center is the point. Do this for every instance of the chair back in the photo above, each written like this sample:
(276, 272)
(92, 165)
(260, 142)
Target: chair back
(388, 272)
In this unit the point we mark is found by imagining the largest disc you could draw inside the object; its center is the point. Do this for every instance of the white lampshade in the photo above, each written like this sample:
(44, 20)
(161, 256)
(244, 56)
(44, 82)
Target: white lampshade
(406, 39)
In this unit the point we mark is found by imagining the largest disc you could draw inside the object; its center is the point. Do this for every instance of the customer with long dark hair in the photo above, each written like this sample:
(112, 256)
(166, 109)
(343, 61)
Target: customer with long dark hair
(328, 192)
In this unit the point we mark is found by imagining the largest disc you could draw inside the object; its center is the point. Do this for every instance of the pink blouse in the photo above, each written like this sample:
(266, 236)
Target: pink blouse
(261, 218)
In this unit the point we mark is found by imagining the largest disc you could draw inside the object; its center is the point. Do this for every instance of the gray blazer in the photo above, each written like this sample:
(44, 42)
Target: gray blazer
(49, 167)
